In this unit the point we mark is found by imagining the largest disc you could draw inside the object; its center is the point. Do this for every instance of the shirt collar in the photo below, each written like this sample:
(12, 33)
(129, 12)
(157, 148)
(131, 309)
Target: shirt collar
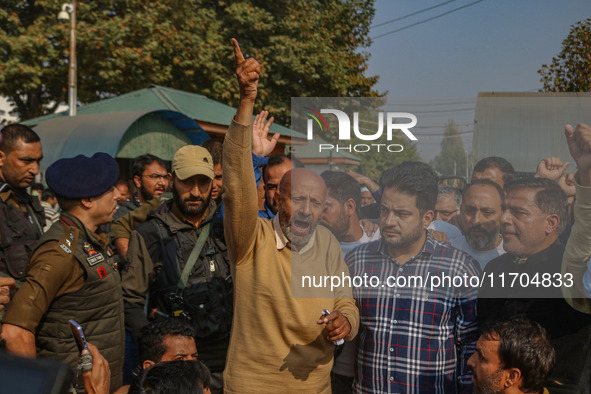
(5, 194)
(542, 255)
(429, 245)
(282, 240)
(428, 248)
(136, 200)
(7, 191)
(99, 237)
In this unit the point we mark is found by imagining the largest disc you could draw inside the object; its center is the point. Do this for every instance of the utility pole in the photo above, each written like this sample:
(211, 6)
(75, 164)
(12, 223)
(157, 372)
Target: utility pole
(69, 13)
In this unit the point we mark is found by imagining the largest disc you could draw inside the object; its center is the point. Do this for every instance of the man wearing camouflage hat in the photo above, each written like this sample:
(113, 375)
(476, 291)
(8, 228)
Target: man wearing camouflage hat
(176, 258)
(71, 274)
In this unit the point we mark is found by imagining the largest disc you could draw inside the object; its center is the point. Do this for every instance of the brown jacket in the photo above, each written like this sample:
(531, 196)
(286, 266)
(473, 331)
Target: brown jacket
(72, 276)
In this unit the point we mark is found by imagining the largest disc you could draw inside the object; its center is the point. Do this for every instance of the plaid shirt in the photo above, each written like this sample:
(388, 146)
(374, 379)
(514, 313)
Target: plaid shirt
(414, 340)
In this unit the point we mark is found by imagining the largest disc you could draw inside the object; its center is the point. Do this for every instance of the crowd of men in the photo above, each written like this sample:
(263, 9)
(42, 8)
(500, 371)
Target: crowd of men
(206, 291)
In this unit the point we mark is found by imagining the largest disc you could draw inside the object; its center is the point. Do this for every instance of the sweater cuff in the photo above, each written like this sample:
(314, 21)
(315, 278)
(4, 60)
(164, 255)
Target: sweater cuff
(583, 194)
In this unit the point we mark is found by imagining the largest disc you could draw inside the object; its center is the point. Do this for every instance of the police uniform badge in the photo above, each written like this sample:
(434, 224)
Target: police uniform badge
(88, 249)
(66, 244)
(94, 257)
(102, 272)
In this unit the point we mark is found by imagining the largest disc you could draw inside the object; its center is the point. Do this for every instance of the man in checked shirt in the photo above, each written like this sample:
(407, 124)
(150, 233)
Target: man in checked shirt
(413, 338)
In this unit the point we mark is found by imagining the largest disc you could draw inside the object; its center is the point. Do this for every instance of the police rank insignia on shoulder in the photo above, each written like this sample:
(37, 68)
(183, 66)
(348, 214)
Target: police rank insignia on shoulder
(66, 242)
(65, 248)
(94, 257)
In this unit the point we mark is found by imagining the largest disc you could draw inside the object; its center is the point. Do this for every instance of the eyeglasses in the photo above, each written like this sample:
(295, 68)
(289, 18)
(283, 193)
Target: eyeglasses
(157, 177)
(445, 214)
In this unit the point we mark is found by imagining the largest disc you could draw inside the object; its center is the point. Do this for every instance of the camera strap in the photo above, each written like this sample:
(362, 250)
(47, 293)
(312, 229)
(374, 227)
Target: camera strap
(192, 260)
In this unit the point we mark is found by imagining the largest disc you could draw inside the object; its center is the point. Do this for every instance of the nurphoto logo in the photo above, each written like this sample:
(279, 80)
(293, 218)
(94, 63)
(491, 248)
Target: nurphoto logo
(361, 111)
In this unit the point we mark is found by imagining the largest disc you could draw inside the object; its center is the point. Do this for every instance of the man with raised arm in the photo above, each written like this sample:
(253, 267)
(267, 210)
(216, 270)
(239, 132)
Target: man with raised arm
(575, 262)
(278, 341)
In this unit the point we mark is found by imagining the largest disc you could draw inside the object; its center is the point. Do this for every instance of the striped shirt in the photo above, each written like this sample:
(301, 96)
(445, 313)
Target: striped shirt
(52, 214)
(414, 338)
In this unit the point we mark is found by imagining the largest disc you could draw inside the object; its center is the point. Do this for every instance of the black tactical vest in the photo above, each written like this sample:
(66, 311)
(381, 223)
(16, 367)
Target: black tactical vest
(207, 301)
(20, 233)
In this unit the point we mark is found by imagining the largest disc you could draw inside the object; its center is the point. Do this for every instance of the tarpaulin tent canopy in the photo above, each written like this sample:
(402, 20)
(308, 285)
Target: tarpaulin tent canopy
(123, 135)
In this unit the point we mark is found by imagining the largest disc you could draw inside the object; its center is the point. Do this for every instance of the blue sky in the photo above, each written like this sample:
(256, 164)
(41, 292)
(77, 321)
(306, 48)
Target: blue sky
(441, 65)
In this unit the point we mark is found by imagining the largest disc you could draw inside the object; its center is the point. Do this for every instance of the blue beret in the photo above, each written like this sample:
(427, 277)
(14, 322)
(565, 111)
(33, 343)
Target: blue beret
(83, 177)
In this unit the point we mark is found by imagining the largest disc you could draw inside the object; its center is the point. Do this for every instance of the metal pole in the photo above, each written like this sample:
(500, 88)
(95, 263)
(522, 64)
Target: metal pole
(72, 69)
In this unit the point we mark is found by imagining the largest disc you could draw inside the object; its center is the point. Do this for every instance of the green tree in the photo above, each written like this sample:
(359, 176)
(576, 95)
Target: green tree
(452, 159)
(570, 71)
(306, 48)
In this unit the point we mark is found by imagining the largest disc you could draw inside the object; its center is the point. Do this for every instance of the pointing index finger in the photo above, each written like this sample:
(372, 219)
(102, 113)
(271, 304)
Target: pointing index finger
(237, 52)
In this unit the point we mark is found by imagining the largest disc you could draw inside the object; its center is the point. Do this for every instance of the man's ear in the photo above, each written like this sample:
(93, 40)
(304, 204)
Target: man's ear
(147, 364)
(428, 218)
(512, 378)
(137, 181)
(87, 203)
(552, 223)
(350, 207)
(2, 158)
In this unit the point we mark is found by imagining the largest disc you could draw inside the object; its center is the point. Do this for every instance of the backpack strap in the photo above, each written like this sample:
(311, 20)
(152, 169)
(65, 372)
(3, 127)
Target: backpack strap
(192, 260)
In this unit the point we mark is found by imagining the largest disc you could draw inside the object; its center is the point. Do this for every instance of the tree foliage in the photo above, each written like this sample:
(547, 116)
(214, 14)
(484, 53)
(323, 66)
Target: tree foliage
(306, 48)
(570, 71)
(452, 159)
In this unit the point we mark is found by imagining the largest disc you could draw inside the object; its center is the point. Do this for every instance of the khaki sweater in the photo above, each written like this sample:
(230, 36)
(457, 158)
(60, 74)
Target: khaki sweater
(276, 343)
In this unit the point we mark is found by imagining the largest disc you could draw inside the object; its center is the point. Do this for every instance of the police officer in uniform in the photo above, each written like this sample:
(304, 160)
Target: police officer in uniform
(71, 274)
(21, 216)
(176, 258)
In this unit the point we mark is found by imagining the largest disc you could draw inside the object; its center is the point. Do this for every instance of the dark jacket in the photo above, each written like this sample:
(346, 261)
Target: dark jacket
(540, 301)
(157, 254)
(21, 225)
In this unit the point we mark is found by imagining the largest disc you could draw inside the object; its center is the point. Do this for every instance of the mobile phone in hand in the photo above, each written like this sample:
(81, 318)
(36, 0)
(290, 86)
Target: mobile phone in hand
(79, 336)
(338, 342)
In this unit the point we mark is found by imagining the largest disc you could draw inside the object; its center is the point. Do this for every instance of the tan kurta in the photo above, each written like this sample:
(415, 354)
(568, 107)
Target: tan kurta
(276, 343)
